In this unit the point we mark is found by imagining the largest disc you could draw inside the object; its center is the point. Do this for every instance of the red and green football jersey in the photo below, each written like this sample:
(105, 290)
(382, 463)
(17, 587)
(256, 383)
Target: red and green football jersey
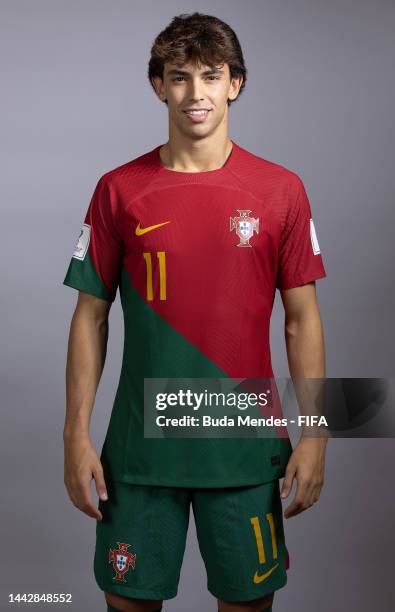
(197, 258)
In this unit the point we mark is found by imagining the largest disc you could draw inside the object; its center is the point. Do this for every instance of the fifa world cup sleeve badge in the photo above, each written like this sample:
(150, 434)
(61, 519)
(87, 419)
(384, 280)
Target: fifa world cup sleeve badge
(122, 560)
(82, 244)
(245, 226)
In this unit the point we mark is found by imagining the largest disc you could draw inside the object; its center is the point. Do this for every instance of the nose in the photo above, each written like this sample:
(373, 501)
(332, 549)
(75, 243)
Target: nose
(195, 90)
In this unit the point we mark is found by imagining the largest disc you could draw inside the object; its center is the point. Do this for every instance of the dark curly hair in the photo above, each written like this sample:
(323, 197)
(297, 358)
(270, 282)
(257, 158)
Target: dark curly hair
(199, 38)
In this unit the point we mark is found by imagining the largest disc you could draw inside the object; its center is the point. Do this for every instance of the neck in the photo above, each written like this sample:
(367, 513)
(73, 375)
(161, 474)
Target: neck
(186, 155)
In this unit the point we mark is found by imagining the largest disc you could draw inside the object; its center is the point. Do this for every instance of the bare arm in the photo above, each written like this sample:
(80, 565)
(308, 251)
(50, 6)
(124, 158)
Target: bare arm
(306, 359)
(86, 356)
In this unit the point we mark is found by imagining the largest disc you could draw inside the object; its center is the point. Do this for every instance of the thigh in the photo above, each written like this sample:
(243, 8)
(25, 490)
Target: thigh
(241, 538)
(140, 542)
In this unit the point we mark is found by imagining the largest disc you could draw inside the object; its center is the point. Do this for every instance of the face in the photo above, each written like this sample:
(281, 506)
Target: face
(197, 96)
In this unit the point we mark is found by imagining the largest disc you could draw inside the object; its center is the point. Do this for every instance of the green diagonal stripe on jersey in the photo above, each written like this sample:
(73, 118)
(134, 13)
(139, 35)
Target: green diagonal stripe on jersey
(166, 353)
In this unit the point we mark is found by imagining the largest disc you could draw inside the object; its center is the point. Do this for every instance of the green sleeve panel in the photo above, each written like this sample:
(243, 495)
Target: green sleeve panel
(82, 275)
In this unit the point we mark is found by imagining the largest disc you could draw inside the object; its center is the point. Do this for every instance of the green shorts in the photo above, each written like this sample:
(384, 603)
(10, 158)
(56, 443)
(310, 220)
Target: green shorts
(140, 542)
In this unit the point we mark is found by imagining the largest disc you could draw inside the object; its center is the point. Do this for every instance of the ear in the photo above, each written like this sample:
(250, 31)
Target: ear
(158, 85)
(235, 84)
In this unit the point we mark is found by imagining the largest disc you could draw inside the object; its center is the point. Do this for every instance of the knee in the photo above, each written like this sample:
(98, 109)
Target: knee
(118, 603)
(262, 604)
(266, 602)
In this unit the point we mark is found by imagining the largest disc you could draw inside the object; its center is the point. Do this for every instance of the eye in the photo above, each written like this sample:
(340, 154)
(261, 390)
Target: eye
(212, 77)
(176, 79)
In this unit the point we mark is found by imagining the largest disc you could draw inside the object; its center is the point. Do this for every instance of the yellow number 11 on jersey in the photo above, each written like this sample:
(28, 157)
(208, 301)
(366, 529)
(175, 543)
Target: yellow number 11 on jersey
(259, 542)
(161, 255)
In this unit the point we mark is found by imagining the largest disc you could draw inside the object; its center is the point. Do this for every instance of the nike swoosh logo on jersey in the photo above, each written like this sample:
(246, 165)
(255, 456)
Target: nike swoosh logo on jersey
(143, 230)
(260, 578)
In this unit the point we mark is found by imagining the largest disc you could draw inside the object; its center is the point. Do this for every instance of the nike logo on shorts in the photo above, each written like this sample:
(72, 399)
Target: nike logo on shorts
(261, 577)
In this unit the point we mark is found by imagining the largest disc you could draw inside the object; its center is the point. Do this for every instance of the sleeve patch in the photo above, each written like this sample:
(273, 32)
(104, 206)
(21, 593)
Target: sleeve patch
(82, 244)
(314, 239)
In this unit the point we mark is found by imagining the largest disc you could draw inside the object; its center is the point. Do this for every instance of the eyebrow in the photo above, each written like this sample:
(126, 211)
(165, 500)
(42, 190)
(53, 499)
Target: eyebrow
(177, 72)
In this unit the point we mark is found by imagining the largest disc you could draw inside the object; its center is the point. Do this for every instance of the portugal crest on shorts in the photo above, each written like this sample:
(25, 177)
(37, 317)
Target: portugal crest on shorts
(121, 559)
(245, 226)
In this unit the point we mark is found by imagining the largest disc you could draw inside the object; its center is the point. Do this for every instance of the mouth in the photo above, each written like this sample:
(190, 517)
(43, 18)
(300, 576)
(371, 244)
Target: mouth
(197, 115)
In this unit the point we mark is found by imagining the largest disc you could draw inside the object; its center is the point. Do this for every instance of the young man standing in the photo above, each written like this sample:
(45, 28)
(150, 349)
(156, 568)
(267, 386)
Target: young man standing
(197, 233)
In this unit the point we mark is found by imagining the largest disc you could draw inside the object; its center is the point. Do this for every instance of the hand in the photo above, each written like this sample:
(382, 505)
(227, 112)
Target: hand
(81, 464)
(307, 464)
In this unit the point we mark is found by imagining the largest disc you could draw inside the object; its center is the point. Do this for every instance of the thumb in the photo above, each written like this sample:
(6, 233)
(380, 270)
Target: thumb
(100, 483)
(287, 482)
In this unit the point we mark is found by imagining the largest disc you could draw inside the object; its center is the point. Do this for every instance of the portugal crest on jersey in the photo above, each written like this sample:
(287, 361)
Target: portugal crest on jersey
(121, 559)
(245, 226)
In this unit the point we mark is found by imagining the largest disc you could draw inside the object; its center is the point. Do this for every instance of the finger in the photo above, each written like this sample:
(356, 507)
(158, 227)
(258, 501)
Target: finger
(287, 482)
(314, 491)
(85, 502)
(293, 509)
(100, 483)
(316, 494)
(308, 494)
(296, 507)
(88, 507)
(300, 501)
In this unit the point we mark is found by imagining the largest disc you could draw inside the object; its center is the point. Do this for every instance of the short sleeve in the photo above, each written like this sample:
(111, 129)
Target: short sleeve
(97, 258)
(300, 260)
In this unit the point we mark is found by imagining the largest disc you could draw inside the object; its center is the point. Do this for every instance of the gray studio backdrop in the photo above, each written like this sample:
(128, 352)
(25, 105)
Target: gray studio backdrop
(76, 103)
